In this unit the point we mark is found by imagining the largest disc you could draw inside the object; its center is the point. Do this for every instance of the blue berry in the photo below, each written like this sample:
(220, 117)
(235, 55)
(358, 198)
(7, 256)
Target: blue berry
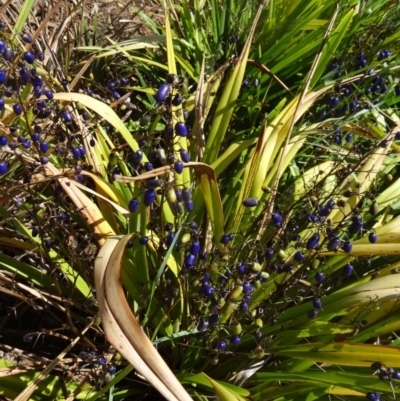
(29, 57)
(298, 256)
(213, 319)
(348, 270)
(67, 117)
(8, 54)
(189, 206)
(317, 303)
(250, 202)
(269, 253)
(208, 290)
(277, 219)
(101, 361)
(312, 314)
(44, 147)
(190, 260)
(356, 225)
(26, 38)
(149, 196)
(3, 168)
(178, 166)
(372, 238)
(116, 95)
(49, 94)
(3, 77)
(162, 93)
(202, 326)
(17, 109)
(247, 288)
(184, 155)
(195, 248)
(143, 241)
(236, 340)
(76, 153)
(133, 205)
(333, 244)
(111, 369)
(319, 277)
(181, 129)
(313, 241)
(347, 246)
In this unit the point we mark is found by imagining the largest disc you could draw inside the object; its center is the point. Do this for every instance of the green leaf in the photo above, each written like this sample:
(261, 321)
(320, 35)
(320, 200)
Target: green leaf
(345, 354)
(227, 102)
(23, 15)
(331, 46)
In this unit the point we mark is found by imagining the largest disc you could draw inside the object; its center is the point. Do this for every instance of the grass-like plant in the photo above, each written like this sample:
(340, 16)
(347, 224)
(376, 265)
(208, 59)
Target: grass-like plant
(209, 210)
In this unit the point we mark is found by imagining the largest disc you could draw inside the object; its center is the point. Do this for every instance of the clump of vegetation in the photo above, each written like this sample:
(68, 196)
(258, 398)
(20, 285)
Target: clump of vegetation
(225, 188)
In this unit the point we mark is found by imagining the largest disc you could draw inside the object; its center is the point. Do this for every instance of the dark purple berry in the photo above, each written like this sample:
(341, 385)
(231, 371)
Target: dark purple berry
(144, 241)
(247, 288)
(312, 242)
(347, 246)
(317, 303)
(186, 194)
(250, 202)
(3, 168)
(178, 166)
(82, 152)
(67, 117)
(29, 57)
(348, 270)
(355, 226)
(162, 93)
(298, 256)
(76, 153)
(333, 244)
(202, 326)
(194, 248)
(312, 314)
(225, 239)
(181, 129)
(208, 290)
(184, 155)
(49, 94)
(44, 160)
(138, 156)
(44, 147)
(189, 206)
(243, 307)
(133, 205)
(396, 375)
(148, 166)
(3, 77)
(101, 361)
(169, 239)
(319, 277)
(190, 260)
(8, 54)
(116, 95)
(235, 340)
(149, 196)
(17, 109)
(277, 219)
(177, 100)
(372, 238)
(213, 319)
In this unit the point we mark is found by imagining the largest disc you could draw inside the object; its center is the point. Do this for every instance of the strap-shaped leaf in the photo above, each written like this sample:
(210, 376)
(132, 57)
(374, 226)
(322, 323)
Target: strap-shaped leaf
(122, 328)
